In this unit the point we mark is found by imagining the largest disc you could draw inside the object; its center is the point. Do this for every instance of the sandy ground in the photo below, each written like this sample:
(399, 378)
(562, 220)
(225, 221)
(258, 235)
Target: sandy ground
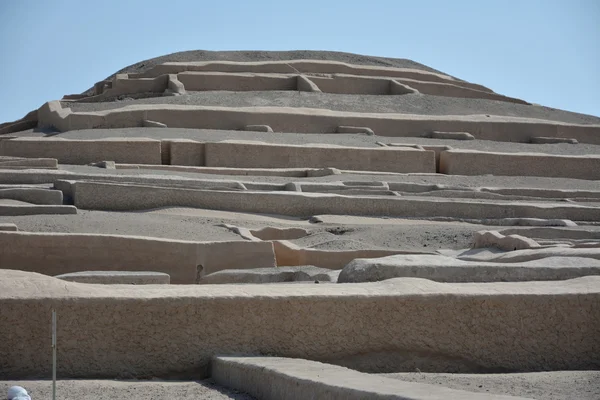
(557, 385)
(407, 104)
(336, 233)
(130, 390)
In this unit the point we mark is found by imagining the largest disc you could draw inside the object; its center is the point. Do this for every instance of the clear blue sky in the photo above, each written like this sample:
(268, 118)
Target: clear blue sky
(543, 51)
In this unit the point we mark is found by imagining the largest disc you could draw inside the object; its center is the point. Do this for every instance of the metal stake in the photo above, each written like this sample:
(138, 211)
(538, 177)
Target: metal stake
(53, 354)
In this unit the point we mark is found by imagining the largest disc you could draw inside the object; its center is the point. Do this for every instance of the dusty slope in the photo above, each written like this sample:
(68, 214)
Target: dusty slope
(205, 225)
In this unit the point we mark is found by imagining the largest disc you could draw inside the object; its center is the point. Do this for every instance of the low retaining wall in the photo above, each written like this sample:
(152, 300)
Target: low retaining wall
(32, 195)
(122, 197)
(26, 163)
(118, 277)
(7, 226)
(173, 331)
(289, 172)
(447, 269)
(72, 151)
(554, 233)
(36, 209)
(472, 162)
(61, 253)
(265, 155)
(305, 120)
(63, 178)
(275, 378)
(516, 192)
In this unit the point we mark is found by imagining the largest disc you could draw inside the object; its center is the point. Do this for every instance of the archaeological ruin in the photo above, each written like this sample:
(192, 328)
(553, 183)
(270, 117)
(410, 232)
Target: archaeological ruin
(299, 225)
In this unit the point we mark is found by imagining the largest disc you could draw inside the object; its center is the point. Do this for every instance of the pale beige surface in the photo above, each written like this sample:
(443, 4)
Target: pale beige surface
(471, 327)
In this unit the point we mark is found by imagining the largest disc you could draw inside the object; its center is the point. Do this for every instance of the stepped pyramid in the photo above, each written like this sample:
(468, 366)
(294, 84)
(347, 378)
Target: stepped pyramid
(426, 223)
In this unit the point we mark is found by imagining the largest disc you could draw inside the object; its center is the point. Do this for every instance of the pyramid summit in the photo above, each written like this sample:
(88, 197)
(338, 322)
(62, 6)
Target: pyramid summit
(302, 222)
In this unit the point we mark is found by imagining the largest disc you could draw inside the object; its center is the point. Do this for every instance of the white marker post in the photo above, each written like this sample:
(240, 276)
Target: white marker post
(53, 354)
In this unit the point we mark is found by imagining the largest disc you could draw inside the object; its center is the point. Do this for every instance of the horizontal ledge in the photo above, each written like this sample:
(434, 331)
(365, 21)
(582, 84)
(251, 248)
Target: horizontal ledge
(274, 378)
